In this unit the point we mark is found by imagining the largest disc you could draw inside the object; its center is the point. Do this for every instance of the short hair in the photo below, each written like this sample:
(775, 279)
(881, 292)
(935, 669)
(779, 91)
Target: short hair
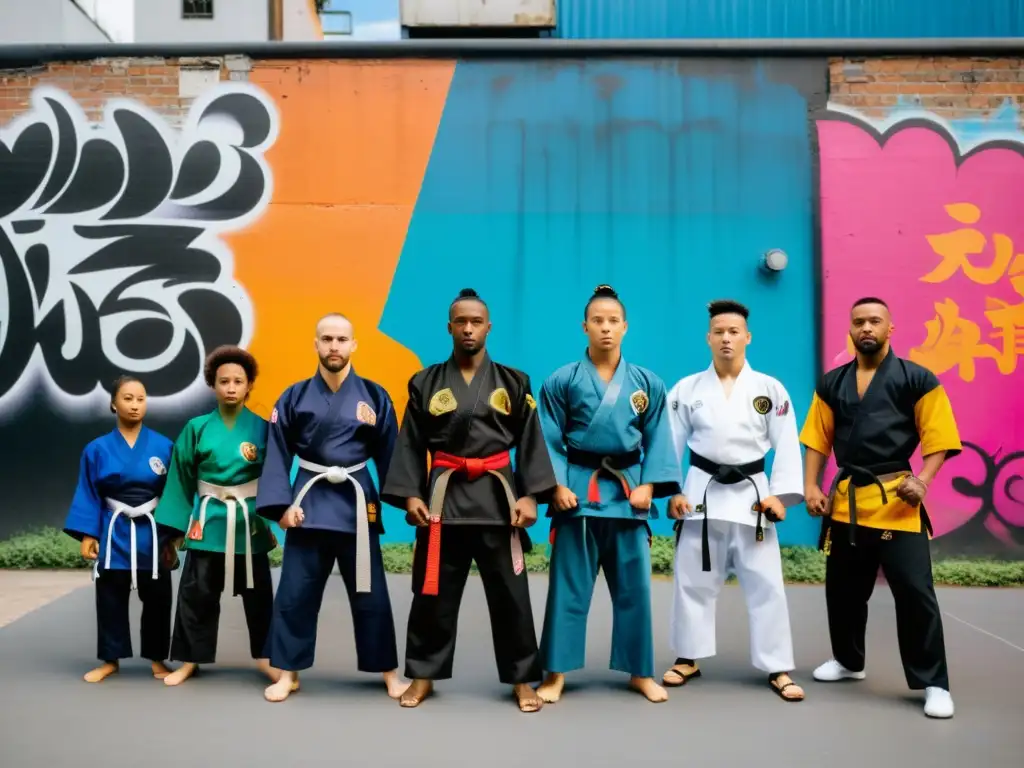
(466, 294)
(228, 354)
(727, 307)
(119, 382)
(604, 291)
(329, 315)
(868, 300)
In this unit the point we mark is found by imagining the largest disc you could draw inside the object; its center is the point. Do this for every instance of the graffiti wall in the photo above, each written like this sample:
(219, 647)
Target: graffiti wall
(149, 213)
(927, 216)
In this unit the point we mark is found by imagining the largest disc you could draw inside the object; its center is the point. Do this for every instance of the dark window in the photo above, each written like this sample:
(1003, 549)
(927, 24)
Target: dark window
(197, 9)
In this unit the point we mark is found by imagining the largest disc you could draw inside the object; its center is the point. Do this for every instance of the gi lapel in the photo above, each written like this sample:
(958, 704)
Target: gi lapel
(335, 402)
(609, 394)
(468, 398)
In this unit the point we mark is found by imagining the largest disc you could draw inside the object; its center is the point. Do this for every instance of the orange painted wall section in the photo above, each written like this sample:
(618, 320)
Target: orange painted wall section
(347, 168)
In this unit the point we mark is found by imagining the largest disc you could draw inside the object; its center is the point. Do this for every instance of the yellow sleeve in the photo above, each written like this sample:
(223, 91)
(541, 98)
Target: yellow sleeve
(819, 427)
(935, 424)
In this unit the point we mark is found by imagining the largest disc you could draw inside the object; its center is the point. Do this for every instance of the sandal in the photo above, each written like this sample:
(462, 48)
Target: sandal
(781, 689)
(681, 677)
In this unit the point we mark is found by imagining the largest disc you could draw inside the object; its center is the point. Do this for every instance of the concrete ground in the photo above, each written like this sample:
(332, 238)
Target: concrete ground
(341, 717)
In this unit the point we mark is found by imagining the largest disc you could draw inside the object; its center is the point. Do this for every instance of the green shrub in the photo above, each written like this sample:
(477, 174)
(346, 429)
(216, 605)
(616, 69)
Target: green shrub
(50, 548)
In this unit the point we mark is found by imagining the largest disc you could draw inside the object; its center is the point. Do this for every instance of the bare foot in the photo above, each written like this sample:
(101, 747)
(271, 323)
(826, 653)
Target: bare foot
(101, 672)
(417, 691)
(649, 688)
(783, 685)
(396, 685)
(528, 699)
(287, 684)
(181, 674)
(160, 670)
(550, 690)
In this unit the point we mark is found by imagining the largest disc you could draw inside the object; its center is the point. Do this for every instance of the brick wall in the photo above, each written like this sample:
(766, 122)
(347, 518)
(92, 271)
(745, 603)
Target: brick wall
(948, 86)
(167, 85)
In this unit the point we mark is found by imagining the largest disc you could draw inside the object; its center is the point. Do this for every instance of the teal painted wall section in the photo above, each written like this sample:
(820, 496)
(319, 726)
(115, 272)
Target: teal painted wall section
(618, 19)
(666, 178)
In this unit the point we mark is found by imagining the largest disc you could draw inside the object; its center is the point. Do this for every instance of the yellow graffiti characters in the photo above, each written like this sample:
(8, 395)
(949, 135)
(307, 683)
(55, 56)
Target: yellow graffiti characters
(954, 341)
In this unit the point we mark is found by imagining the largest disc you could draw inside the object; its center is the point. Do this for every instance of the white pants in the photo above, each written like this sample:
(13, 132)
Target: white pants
(758, 567)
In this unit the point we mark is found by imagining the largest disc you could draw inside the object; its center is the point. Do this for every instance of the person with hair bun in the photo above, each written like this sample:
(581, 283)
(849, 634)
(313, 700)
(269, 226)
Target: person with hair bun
(211, 487)
(607, 431)
(120, 478)
(466, 414)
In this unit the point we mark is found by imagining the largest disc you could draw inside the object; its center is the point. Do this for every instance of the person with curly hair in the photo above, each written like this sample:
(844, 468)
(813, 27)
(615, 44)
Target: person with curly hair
(120, 479)
(212, 482)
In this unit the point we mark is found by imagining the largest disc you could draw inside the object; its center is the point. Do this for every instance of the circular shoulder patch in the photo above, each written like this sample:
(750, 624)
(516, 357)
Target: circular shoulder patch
(762, 404)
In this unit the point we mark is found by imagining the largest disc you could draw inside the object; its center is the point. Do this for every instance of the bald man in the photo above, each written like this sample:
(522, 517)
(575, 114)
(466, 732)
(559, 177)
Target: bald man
(334, 423)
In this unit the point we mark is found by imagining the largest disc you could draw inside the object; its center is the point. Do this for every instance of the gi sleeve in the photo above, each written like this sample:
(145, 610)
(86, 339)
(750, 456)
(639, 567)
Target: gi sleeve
(178, 498)
(387, 435)
(274, 495)
(85, 516)
(679, 421)
(407, 469)
(660, 466)
(787, 478)
(933, 414)
(552, 413)
(535, 475)
(819, 426)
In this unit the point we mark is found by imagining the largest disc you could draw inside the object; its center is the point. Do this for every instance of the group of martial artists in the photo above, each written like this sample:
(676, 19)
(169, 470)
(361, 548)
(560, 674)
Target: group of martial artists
(603, 440)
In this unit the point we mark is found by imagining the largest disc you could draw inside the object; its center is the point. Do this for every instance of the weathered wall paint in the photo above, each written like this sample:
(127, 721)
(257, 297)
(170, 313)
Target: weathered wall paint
(379, 189)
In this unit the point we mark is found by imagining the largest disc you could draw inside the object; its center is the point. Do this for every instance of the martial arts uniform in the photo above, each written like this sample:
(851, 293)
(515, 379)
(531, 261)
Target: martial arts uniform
(118, 489)
(605, 439)
(227, 545)
(728, 439)
(334, 436)
(873, 439)
(468, 431)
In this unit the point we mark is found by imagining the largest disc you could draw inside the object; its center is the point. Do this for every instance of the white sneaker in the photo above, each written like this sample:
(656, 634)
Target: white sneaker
(832, 671)
(938, 703)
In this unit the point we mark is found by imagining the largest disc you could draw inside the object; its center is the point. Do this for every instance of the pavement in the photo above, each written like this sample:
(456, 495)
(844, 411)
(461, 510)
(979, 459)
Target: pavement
(727, 718)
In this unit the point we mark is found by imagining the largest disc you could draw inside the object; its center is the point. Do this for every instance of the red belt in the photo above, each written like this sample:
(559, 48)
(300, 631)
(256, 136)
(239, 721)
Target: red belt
(473, 468)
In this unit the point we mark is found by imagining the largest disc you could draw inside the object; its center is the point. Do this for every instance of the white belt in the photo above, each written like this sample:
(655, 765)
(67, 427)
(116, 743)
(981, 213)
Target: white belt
(344, 475)
(230, 495)
(132, 513)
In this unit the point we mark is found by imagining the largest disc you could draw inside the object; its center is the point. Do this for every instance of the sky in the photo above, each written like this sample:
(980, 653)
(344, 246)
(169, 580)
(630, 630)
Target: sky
(371, 19)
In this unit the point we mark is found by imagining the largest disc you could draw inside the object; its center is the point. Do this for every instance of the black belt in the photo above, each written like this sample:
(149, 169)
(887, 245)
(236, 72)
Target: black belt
(861, 477)
(725, 475)
(599, 460)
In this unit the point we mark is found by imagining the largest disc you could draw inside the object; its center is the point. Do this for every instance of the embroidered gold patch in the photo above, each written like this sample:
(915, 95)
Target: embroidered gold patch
(249, 451)
(530, 401)
(365, 413)
(442, 402)
(371, 512)
(887, 536)
(639, 401)
(762, 404)
(500, 401)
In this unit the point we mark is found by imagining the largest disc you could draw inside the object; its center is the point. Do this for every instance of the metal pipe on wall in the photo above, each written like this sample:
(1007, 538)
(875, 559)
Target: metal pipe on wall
(275, 19)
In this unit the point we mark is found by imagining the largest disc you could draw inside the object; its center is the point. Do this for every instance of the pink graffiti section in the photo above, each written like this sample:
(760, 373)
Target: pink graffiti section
(941, 239)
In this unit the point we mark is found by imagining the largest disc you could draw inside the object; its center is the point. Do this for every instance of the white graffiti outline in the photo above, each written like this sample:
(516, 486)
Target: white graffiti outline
(225, 135)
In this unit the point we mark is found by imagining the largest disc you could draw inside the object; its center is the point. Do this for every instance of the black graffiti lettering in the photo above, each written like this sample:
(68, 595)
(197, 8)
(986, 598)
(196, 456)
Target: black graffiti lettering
(110, 255)
(1000, 492)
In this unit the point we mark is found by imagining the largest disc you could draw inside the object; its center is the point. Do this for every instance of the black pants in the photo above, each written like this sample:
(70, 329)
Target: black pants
(850, 575)
(197, 619)
(309, 557)
(433, 619)
(113, 629)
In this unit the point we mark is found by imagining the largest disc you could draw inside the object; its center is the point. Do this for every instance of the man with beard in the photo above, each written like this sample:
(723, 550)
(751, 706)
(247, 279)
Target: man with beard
(335, 423)
(466, 414)
(874, 412)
